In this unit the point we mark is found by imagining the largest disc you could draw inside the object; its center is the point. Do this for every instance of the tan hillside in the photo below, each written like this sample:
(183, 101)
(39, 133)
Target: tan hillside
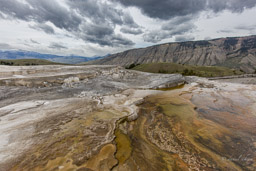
(238, 52)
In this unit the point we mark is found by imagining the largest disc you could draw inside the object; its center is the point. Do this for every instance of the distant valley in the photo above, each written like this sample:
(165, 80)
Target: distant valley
(27, 62)
(72, 59)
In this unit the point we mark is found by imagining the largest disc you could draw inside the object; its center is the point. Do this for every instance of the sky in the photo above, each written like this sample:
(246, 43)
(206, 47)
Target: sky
(100, 27)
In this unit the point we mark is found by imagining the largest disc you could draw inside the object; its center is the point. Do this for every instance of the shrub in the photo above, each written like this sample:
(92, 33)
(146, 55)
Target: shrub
(185, 72)
(162, 71)
(6, 63)
(131, 66)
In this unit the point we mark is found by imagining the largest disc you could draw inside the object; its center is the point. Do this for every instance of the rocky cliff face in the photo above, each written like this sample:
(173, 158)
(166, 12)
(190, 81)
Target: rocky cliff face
(238, 52)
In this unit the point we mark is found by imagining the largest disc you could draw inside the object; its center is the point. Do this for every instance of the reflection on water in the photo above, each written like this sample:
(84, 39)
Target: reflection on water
(172, 88)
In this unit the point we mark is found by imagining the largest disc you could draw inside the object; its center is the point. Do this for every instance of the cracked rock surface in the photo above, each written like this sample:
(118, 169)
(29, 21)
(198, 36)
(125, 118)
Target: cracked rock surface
(108, 118)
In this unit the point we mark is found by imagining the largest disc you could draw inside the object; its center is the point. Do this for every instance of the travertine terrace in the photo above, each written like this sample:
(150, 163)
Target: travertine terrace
(109, 118)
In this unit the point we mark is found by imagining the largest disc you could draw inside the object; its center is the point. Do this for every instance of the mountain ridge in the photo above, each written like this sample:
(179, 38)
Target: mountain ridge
(232, 52)
(21, 54)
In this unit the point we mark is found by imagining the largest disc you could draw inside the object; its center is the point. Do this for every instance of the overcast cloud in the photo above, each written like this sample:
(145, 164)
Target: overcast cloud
(57, 46)
(98, 27)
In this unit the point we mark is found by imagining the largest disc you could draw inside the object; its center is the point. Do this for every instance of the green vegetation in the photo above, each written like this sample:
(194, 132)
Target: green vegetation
(202, 71)
(131, 66)
(27, 62)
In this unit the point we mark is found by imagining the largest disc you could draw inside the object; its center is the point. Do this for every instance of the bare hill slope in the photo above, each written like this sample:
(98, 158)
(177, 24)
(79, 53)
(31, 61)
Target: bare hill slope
(236, 52)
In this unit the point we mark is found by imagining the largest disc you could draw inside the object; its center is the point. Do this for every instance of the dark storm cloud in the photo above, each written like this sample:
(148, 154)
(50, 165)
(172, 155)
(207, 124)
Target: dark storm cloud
(232, 5)
(179, 25)
(109, 40)
(52, 11)
(97, 11)
(103, 19)
(119, 40)
(103, 35)
(41, 11)
(155, 36)
(176, 26)
(71, 17)
(57, 46)
(184, 38)
(179, 20)
(158, 35)
(15, 9)
(180, 14)
(44, 27)
(129, 30)
(128, 21)
(102, 12)
(167, 9)
(97, 21)
(97, 31)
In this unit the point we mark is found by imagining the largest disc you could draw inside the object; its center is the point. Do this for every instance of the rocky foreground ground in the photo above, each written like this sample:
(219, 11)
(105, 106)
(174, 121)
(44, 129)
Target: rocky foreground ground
(108, 118)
